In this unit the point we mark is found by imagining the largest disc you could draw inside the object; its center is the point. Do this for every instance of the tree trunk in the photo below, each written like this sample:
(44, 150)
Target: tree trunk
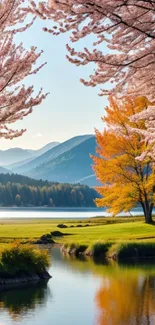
(148, 217)
(147, 208)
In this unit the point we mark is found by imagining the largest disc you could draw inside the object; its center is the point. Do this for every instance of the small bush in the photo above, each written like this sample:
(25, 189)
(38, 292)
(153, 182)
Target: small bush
(23, 258)
(45, 239)
(99, 250)
(61, 225)
(57, 233)
(80, 250)
(74, 249)
(129, 250)
(67, 248)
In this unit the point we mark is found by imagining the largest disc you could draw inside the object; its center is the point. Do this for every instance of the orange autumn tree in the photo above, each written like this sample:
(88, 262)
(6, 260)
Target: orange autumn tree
(126, 180)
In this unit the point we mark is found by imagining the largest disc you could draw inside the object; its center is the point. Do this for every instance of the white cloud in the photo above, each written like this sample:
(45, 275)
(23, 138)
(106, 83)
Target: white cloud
(37, 135)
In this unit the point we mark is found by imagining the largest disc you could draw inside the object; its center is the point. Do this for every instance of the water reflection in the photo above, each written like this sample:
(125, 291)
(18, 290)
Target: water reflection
(126, 295)
(84, 293)
(126, 300)
(19, 301)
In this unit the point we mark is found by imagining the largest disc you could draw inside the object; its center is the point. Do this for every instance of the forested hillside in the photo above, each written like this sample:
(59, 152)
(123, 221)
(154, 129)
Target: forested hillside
(17, 190)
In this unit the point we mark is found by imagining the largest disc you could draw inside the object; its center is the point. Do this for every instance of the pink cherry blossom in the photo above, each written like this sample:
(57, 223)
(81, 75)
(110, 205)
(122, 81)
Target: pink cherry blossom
(123, 51)
(16, 63)
(125, 27)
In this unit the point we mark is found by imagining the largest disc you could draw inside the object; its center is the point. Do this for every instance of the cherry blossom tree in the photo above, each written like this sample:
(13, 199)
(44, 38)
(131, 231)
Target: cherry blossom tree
(123, 49)
(16, 63)
(125, 27)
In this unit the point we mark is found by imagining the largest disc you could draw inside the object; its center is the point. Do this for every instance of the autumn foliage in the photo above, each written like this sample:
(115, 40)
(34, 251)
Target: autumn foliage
(126, 181)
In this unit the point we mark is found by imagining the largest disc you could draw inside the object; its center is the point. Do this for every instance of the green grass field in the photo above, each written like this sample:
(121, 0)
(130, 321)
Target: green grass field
(99, 229)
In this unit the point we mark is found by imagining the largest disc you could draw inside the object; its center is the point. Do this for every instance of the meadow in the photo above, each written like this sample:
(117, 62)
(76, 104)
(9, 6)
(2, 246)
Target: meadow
(84, 231)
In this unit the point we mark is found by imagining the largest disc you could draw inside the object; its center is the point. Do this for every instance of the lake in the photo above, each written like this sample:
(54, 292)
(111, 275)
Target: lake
(60, 213)
(83, 293)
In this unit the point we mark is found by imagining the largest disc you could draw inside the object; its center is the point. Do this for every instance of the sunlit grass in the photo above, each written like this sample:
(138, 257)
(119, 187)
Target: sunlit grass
(115, 232)
(100, 229)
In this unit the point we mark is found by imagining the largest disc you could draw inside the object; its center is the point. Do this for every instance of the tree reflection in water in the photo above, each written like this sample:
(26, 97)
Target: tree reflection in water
(126, 300)
(127, 292)
(18, 301)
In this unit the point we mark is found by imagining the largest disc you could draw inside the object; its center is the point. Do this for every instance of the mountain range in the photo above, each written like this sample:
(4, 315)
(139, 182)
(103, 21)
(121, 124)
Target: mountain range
(15, 155)
(67, 162)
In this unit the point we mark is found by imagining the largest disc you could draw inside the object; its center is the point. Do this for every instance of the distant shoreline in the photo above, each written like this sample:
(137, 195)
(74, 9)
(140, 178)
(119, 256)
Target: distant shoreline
(51, 208)
(60, 212)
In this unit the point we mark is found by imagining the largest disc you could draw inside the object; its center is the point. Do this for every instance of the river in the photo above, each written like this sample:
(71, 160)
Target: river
(83, 293)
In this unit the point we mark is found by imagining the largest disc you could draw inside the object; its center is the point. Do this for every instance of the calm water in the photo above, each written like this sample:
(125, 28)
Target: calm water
(58, 213)
(82, 293)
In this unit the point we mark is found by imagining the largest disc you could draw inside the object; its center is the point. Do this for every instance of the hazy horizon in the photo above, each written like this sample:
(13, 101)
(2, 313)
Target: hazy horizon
(39, 147)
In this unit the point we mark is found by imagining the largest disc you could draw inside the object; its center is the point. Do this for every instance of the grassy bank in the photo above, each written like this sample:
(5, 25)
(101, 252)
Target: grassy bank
(96, 236)
(122, 250)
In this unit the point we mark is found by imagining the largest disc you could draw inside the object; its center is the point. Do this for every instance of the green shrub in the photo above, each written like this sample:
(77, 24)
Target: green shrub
(61, 225)
(23, 258)
(46, 239)
(74, 249)
(99, 250)
(57, 233)
(129, 250)
(80, 249)
(67, 248)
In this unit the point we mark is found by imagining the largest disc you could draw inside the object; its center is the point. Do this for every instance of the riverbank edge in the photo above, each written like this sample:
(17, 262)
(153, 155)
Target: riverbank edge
(6, 280)
(112, 250)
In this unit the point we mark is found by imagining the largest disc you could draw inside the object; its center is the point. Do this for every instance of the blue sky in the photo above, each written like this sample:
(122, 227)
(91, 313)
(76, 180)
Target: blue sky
(71, 108)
